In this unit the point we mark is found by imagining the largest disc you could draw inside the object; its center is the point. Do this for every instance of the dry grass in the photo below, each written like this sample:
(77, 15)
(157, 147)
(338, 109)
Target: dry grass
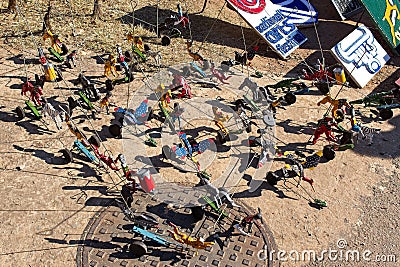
(73, 22)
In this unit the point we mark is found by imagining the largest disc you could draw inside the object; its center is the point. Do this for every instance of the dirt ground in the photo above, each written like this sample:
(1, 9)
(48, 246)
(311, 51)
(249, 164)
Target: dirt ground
(44, 200)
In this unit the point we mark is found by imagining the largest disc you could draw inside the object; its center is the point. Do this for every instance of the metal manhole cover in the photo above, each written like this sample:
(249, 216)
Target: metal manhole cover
(107, 236)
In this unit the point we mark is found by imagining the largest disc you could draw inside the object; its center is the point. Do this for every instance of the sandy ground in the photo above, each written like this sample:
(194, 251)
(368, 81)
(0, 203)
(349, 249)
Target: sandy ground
(41, 195)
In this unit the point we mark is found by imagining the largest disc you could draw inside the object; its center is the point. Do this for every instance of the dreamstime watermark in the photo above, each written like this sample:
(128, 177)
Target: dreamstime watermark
(340, 253)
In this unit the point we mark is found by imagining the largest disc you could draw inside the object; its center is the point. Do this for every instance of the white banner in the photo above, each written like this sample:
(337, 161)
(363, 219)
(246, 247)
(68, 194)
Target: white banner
(361, 55)
(273, 26)
(300, 12)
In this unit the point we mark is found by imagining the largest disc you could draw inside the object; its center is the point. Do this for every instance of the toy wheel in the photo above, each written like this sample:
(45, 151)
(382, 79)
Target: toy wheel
(165, 40)
(138, 248)
(109, 85)
(95, 140)
(186, 71)
(167, 152)
(328, 153)
(290, 98)
(118, 67)
(323, 87)
(197, 212)
(67, 155)
(72, 103)
(146, 47)
(339, 115)
(386, 113)
(271, 178)
(115, 130)
(20, 112)
(64, 49)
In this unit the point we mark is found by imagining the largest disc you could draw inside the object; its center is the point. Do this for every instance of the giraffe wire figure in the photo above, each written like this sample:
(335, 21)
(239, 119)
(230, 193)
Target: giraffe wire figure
(105, 102)
(136, 41)
(165, 100)
(337, 104)
(109, 66)
(196, 56)
(219, 118)
(197, 243)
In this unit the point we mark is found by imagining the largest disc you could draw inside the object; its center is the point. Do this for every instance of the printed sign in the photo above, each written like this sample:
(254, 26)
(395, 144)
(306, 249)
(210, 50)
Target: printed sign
(386, 14)
(299, 12)
(347, 8)
(361, 55)
(271, 24)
